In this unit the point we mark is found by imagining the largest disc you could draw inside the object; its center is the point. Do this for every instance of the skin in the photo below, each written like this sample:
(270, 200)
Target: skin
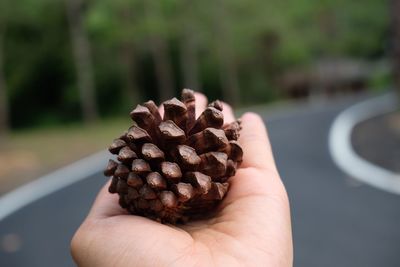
(252, 226)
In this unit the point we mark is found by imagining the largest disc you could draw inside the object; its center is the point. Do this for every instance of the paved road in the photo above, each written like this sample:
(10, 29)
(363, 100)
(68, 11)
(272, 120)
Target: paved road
(336, 221)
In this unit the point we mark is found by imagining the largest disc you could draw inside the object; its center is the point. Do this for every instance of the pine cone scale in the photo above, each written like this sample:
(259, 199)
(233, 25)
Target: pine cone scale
(176, 167)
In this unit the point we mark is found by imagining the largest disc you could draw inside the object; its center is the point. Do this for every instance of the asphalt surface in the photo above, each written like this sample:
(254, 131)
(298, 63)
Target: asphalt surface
(336, 220)
(377, 141)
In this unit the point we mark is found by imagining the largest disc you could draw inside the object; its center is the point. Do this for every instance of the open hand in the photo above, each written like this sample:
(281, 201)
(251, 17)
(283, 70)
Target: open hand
(252, 226)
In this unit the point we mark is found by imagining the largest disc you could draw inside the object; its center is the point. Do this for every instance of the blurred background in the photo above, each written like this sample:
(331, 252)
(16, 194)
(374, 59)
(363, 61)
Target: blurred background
(72, 70)
(65, 65)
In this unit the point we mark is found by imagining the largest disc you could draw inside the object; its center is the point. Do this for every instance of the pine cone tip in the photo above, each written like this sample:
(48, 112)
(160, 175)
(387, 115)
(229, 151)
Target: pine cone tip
(175, 167)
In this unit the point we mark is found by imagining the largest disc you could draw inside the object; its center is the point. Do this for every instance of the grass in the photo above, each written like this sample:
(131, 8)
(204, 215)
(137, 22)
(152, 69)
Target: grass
(27, 154)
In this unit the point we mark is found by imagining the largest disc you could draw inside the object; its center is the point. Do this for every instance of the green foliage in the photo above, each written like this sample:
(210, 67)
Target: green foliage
(381, 79)
(267, 37)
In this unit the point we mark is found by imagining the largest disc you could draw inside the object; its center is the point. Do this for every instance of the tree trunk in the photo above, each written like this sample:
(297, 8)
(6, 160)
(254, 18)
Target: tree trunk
(127, 56)
(395, 43)
(227, 64)
(4, 120)
(189, 50)
(159, 51)
(84, 68)
(128, 61)
(163, 67)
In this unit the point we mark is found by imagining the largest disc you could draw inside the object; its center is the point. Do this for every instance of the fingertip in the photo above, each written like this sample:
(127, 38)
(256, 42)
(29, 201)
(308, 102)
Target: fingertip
(161, 110)
(201, 100)
(255, 142)
(253, 123)
(228, 113)
(252, 116)
(200, 97)
(226, 107)
(201, 103)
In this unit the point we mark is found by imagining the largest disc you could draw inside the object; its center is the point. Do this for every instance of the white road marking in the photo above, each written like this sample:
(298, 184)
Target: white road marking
(342, 151)
(52, 182)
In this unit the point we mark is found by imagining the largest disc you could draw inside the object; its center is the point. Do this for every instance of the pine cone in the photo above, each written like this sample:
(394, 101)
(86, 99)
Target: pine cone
(174, 168)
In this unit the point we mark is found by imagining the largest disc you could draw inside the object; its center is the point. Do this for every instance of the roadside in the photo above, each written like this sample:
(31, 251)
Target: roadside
(29, 154)
(378, 140)
(342, 150)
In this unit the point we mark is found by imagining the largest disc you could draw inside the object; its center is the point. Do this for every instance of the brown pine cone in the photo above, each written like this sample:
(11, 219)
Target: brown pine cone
(174, 168)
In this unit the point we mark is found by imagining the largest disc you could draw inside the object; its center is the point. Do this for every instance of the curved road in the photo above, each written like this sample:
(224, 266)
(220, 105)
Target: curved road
(336, 220)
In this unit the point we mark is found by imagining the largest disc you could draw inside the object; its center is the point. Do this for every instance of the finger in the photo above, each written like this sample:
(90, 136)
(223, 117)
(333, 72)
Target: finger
(201, 103)
(106, 204)
(228, 113)
(254, 140)
(161, 110)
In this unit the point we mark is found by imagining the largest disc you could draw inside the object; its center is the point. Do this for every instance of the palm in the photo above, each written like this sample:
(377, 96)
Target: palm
(251, 226)
(232, 236)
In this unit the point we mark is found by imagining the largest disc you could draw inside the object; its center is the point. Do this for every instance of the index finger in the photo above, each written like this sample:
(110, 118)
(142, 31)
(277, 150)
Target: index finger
(255, 143)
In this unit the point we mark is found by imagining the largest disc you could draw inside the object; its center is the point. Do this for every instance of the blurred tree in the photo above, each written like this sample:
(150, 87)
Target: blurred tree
(227, 63)
(83, 63)
(114, 26)
(395, 43)
(189, 46)
(4, 126)
(213, 44)
(4, 102)
(127, 51)
(159, 48)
